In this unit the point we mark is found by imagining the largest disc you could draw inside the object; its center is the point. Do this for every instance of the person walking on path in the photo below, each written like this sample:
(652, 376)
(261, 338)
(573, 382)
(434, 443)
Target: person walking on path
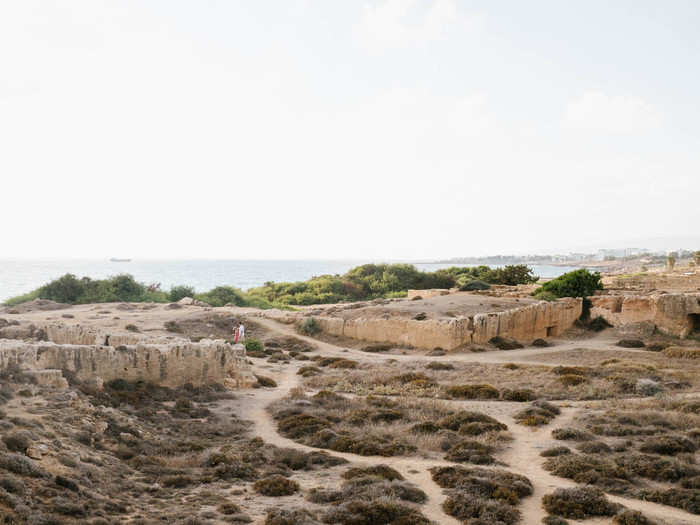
(241, 332)
(235, 335)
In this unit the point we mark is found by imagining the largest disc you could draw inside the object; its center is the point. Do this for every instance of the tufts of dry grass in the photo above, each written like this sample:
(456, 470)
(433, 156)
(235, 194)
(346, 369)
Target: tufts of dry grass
(579, 503)
(508, 382)
(381, 426)
(478, 495)
(681, 352)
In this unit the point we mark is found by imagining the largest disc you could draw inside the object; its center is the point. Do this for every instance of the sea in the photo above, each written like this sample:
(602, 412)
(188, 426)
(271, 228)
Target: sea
(19, 276)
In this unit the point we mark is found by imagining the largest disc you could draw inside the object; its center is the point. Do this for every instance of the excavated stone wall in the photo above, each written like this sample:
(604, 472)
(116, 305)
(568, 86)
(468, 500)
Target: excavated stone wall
(674, 314)
(688, 282)
(82, 335)
(169, 364)
(538, 320)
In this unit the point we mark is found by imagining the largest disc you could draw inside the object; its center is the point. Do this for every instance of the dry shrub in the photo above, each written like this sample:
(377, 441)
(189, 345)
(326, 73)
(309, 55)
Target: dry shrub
(479, 495)
(289, 343)
(686, 499)
(265, 381)
(594, 447)
(22, 465)
(681, 352)
(554, 520)
(426, 427)
(519, 395)
(630, 343)
(17, 441)
(378, 482)
(308, 371)
(668, 445)
(586, 469)
(572, 370)
(470, 451)
(374, 425)
(381, 471)
(290, 517)
(504, 343)
(337, 362)
(632, 517)
(555, 451)
(377, 512)
(229, 508)
(538, 413)
(178, 481)
(377, 347)
(571, 434)
(296, 426)
(363, 446)
(657, 468)
(172, 326)
(463, 418)
(276, 486)
(691, 483)
(472, 392)
(299, 460)
(572, 379)
(437, 365)
(579, 503)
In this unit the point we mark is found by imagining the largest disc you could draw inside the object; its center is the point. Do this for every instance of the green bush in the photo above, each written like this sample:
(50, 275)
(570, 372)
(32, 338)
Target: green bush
(254, 345)
(579, 283)
(180, 292)
(308, 327)
(545, 296)
(222, 295)
(474, 285)
(370, 281)
(69, 289)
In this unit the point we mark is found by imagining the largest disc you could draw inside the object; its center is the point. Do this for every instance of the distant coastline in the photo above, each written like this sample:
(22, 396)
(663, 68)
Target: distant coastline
(20, 276)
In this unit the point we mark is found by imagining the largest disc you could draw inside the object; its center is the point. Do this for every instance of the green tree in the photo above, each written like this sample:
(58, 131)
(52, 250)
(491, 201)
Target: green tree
(222, 295)
(65, 289)
(579, 283)
(179, 292)
(671, 261)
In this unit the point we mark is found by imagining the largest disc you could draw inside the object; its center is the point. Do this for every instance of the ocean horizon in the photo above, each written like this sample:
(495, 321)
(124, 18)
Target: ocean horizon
(20, 276)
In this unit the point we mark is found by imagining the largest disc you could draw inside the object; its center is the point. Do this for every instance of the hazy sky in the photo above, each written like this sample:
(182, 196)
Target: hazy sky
(333, 129)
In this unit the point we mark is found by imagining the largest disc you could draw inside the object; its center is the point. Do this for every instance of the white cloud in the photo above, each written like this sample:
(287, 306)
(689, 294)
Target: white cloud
(399, 23)
(597, 111)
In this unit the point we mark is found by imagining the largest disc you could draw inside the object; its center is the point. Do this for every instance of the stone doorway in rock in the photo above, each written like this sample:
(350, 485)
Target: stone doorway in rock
(694, 322)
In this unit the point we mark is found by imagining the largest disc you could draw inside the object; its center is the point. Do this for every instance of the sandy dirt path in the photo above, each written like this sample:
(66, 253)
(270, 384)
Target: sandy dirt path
(254, 408)
(521, 456)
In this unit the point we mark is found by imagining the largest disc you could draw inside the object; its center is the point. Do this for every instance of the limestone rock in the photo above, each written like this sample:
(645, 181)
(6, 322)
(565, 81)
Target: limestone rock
(36, 451)
(638, 330)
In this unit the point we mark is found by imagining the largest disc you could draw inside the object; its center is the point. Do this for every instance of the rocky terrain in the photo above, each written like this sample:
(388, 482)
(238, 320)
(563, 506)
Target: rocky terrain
(583, 428)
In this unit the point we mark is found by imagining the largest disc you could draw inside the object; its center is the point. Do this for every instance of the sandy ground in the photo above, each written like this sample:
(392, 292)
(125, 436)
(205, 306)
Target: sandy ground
(521, 456)
(441, 306)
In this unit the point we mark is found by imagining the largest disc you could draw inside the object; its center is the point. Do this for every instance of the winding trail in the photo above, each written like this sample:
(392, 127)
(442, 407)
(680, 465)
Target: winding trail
(521, 455)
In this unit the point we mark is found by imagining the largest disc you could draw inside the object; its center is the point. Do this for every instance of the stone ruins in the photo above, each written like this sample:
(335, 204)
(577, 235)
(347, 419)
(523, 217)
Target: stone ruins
(90, 354)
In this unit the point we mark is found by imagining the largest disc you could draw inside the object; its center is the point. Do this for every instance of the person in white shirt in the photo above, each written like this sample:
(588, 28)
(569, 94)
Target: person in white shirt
(241, 332)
